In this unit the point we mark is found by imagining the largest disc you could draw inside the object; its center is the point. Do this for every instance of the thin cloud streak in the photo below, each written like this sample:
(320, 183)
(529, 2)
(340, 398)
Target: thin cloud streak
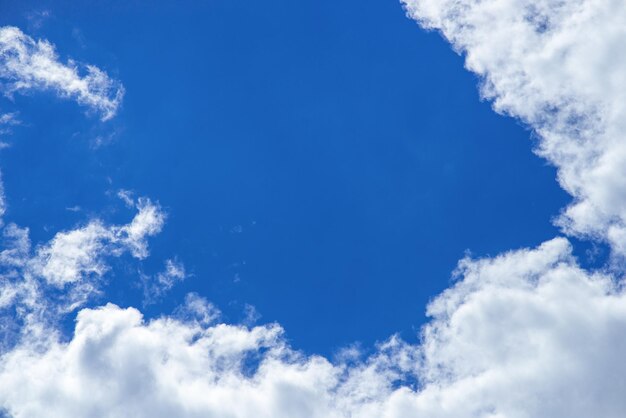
(28, 64)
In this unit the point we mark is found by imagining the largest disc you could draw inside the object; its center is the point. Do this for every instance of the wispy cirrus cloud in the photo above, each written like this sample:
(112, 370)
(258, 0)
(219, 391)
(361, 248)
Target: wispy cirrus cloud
(156, 286)
(28, 64)
(72, 255)
(9, 119)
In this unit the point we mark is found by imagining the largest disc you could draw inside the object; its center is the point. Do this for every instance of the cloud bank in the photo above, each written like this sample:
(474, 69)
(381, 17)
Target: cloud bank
(508, 340)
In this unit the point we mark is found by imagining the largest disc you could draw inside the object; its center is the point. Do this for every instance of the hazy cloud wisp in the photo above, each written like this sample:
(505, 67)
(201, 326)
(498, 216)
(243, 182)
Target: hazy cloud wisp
(29, 64)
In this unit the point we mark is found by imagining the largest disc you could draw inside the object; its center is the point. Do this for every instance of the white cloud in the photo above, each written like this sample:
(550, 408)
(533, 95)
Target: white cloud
(29, 64)
(10, 119)
(560, 66)
(199, 309)
(127, 197)
(40, 287)
(155, 287)
(509, 339)
(527, 334)
(73, 255)
(148, 221)
(118, 366)
(16, 247)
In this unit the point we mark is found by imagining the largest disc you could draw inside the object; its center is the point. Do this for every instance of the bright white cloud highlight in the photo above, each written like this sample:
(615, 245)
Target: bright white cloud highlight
(29, 64)
(559, 66)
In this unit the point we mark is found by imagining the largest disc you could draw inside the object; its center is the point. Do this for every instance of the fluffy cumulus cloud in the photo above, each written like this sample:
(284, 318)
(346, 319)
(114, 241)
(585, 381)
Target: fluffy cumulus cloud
(509, 339)
(560, 66)
(29, 64)
(527, 334)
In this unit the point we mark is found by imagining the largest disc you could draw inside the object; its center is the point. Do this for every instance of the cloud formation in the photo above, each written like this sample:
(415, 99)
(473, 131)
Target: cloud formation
(560, 67)
(29, 64)
(527, 334)
(509, 339)
(72, 255)
(155, 287)
(40, 286)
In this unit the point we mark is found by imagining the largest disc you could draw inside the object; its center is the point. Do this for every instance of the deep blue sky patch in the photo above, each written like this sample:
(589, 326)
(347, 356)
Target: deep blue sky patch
(325, 162)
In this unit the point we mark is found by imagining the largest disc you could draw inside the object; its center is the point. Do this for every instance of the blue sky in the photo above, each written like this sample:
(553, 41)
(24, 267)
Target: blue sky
(312, 209)
(327, 163)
